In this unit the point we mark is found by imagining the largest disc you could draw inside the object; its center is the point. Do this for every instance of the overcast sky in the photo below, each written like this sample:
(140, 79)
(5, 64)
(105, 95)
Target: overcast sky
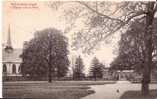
(25, 21)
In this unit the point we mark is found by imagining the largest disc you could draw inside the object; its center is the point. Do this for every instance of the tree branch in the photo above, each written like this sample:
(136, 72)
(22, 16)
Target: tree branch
(122, 23)
(135, 15)
(107, 16)
(101, 14)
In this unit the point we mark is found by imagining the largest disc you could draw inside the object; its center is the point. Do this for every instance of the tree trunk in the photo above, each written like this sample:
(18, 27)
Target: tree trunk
(148, 49)
(50, 60)
(49, 74)
(145, 89)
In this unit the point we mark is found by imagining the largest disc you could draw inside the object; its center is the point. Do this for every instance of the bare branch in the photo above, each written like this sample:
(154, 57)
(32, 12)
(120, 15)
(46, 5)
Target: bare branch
(119, 8)
(112, 32)
(135, 15)
(101, 14)
(114, 19)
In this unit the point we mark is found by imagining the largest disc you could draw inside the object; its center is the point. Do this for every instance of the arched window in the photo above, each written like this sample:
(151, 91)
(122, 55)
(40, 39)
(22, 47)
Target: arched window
(4, 68)
(14, 69)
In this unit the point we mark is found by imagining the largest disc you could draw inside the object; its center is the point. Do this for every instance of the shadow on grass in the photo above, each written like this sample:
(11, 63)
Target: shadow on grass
(138, 95)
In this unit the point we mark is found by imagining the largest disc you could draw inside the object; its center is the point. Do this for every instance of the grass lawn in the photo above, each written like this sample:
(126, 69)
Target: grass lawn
(137, 95)
(54, 90)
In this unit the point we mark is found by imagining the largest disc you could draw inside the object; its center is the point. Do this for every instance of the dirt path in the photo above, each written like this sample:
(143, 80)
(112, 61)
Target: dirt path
(109, 91)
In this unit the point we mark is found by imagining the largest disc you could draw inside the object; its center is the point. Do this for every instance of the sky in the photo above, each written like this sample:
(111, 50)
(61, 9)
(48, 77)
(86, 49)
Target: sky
(25, 18)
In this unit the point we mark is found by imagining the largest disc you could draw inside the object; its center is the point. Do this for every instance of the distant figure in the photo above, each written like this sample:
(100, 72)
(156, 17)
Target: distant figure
(117, 90)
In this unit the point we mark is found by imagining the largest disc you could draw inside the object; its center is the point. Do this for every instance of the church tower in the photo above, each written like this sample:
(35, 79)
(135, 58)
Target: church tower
(9, 47)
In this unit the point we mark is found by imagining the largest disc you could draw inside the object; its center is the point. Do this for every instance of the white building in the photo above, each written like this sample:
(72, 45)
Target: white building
(11, 58)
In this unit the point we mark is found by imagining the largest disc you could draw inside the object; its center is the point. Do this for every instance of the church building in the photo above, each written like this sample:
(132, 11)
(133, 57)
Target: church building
(11, 59)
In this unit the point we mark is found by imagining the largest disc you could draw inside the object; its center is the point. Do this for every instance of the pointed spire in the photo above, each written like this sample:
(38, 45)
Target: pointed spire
(8, 45)
(9, 38)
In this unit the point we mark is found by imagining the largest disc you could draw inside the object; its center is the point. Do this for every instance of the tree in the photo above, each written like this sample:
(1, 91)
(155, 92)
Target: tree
(46, 54)
(131, 46)
(106, 18)
(150, 12)
(78, 69)
(96, 69)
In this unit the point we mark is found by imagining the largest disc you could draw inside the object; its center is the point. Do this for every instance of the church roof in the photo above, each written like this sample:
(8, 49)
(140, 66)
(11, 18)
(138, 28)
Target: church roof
(13, 56)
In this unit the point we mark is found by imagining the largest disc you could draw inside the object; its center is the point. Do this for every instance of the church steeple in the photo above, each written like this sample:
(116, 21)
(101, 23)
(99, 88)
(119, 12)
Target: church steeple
(9, 47)
(9, 37)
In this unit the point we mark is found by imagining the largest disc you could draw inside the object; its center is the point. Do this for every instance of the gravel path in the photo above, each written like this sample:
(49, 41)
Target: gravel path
(114, 91)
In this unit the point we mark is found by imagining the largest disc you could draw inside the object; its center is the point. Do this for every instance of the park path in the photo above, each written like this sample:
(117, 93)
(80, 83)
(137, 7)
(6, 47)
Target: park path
(109, 91)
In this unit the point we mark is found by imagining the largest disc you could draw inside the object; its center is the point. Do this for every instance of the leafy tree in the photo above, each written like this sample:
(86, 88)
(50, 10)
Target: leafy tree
(46, 54)
(96, 69)
(131, 47)
(78, 69)
(105, 18)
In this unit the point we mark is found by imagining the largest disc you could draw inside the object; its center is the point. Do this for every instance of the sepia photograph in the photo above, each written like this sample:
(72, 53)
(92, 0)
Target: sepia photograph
(79, 49)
